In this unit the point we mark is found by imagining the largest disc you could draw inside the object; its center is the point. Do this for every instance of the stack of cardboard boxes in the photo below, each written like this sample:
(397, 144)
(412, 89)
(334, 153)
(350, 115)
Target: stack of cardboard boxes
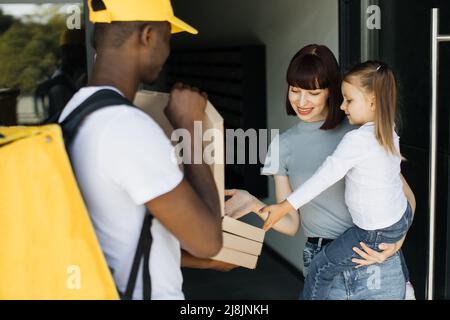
(242, 242)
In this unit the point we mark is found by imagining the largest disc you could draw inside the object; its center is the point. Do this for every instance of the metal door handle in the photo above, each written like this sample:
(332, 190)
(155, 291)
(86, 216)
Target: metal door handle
(435, 39)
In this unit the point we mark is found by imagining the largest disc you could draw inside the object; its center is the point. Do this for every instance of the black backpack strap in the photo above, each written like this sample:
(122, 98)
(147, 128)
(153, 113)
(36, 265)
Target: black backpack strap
(147, 280)
(101, 99)
(142, 252)
(70, 125)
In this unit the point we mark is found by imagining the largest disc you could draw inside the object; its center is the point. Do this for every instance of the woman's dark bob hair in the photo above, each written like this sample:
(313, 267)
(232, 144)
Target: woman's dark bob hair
(315, 67)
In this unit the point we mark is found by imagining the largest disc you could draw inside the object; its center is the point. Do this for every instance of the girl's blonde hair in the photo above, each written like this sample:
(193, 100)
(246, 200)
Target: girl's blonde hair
(376, 77)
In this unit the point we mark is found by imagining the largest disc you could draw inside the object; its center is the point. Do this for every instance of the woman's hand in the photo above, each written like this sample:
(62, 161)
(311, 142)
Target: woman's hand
(370, 256)
(241, 203)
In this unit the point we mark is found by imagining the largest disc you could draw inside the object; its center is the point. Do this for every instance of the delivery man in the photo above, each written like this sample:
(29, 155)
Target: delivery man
(123, 161)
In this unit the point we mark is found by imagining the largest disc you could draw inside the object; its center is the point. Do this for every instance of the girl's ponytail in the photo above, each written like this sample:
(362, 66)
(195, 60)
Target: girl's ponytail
(376, 77)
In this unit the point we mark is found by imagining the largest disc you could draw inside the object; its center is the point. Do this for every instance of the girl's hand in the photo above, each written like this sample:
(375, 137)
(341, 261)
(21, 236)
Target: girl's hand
(241, 203)
(275, 213)
(370, 256)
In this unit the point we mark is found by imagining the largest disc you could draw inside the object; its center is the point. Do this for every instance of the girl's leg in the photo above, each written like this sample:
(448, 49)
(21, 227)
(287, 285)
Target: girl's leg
(336, 257)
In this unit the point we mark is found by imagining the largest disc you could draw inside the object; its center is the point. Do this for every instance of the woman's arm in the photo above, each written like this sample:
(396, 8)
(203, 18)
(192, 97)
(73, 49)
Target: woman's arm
(370, 256)
(409, 194)
(242, 203)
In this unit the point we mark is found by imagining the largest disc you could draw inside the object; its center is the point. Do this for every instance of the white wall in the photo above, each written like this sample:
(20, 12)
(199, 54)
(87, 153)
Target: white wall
(284, 26)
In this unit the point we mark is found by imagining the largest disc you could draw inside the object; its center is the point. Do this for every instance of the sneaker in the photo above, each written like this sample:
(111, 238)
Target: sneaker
(409, 292)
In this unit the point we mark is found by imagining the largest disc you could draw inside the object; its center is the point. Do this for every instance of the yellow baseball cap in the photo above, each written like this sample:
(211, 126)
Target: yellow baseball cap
(107, 11)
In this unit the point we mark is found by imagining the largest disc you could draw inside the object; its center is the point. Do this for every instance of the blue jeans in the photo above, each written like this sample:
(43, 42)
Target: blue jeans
(334, 261)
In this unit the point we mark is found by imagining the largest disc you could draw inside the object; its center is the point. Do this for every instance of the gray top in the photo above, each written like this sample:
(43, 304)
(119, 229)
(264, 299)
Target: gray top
(302, 149)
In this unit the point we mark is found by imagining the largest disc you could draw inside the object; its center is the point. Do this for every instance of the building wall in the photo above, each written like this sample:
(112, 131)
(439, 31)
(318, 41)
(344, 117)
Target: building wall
(284, 26)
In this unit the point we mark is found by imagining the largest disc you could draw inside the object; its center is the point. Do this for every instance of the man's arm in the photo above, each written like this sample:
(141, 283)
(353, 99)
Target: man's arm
(183, 212)
(189, 261)
(191, 211)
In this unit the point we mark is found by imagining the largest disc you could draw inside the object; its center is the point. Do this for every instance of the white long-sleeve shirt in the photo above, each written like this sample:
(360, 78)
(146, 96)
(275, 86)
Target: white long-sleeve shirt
(373, 187)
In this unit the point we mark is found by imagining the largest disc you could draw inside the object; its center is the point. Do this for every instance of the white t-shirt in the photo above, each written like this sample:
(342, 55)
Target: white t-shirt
(122, 159)
(373, 187)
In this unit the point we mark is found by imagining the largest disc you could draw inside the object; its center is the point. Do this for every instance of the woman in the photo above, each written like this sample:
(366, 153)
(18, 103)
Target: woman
(314, 96)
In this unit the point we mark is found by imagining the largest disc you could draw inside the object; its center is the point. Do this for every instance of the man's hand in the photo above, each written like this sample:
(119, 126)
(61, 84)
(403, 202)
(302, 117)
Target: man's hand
(189, 261)
(241, 203)
(222, 266)
(185, 106)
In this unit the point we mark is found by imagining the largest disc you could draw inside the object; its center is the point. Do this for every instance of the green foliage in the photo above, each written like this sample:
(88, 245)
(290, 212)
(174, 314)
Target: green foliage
(29, 50)
(5, 21)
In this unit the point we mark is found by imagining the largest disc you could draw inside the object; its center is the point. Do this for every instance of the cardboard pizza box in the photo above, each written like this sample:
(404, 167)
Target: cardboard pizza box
(242, 229)
(232, 241)
(237, 258)
(242, 237)
(153, 103)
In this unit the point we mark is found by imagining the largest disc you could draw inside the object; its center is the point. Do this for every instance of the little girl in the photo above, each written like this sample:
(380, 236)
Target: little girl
(369, 158)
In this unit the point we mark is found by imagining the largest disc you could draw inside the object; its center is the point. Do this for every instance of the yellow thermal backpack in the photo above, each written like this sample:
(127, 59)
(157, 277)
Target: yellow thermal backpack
(48, 247)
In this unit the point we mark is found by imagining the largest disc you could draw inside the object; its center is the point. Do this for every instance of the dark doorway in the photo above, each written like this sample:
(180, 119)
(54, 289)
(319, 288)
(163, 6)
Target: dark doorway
(404, 42)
